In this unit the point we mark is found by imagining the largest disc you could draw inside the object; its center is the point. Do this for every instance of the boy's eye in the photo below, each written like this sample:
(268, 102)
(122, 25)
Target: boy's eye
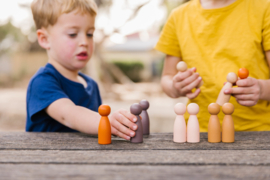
(89, 35)
(72, 35)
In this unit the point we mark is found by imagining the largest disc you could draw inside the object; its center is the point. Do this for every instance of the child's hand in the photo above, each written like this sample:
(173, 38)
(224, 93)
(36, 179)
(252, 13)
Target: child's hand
(122, 123)
(185, 81)
(248, 91)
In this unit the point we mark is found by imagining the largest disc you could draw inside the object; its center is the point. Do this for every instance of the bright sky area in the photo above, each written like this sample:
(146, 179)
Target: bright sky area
(151, 15)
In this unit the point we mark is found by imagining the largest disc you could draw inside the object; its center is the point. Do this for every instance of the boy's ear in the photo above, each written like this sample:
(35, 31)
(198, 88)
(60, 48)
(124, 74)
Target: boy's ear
(42, 35)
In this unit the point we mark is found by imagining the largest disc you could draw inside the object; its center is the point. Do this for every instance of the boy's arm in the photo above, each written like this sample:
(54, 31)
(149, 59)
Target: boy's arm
(87, 121)
(176, 84)
(73, 116)
(251, 90)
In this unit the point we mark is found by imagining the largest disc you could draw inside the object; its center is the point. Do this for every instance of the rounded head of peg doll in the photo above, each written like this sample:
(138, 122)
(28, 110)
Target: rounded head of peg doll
(144, 104)
(104, 110)
(180, 109)
(232, 77)
(135, 109)
(213, 108)
(181, 66)
(243, 73)
(193, 108)
(227, 108)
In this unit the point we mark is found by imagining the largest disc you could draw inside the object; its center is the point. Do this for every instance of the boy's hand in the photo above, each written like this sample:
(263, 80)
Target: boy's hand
(185, 81)
(248, 91)
(122, 123)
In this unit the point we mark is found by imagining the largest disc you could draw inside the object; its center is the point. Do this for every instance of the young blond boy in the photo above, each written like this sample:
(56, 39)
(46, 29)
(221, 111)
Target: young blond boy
(216, 37)
(59, 97)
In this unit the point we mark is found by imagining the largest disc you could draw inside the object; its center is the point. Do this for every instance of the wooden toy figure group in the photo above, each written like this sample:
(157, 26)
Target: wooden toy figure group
(191, 132)
(182, 132)
(138, 109)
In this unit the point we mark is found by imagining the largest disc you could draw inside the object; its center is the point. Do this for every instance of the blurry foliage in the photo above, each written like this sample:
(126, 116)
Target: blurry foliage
(171, 4)
(34, 47)
(16, 39)
(103, 3)
(131, 69)
(9, 29)
(159, 66)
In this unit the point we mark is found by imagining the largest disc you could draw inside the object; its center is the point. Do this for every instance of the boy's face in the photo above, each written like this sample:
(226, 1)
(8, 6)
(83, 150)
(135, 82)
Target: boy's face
(71, 40)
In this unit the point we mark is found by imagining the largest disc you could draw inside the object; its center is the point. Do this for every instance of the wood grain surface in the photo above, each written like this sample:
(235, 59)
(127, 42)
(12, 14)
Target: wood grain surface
(79, 156)
(163, 141)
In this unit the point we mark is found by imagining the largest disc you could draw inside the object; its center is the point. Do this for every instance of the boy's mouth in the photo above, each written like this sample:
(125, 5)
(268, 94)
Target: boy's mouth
(82, 56)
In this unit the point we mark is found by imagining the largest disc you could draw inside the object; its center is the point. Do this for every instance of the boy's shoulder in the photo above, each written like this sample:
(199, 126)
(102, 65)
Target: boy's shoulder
(48, 74)
(44, 73)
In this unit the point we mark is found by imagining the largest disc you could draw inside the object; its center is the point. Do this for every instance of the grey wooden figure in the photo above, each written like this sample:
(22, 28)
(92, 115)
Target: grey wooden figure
(136, 110)
(145, 118)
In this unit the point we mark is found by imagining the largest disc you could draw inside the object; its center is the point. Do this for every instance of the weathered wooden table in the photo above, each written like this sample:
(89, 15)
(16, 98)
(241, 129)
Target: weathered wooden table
(79, 156)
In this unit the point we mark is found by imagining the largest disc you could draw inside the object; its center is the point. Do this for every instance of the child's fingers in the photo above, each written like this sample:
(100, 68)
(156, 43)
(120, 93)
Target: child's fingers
(124, 117)
(245, 96)
(246, 103)
(128, 115)
(234, 84)
(191, 86)
(180, 76)
(245, 82)
(194, 94)
(127, 122)
(119, 134)
(238, 90)
(123, 129)
(189, 79)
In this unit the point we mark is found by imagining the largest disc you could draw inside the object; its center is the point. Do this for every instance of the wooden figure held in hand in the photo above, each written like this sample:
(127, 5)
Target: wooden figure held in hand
(224, 98)
(182, 67)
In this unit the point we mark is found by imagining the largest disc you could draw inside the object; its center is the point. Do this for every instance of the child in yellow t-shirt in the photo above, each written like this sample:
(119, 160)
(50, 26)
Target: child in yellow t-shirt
(215, 37)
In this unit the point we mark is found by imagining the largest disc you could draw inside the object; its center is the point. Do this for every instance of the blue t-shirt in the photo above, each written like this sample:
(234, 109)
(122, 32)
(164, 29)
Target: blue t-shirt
(47, 86)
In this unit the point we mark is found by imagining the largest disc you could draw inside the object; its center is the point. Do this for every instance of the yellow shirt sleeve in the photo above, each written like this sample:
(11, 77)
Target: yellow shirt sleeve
(266, 29)
(168, 41)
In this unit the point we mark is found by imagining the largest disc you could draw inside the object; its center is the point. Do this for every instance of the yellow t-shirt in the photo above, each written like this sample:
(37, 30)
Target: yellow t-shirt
(219, 41)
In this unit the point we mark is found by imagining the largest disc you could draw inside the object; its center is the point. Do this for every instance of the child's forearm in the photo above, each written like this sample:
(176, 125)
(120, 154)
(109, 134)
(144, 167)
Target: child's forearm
(265, 89)
(167, 86)
(75, 117)
(82, 119)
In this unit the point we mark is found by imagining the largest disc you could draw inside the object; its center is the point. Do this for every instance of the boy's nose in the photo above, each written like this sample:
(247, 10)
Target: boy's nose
(83, 41)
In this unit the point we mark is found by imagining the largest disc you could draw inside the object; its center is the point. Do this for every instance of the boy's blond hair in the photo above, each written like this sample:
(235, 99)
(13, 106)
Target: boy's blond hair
(46, 12)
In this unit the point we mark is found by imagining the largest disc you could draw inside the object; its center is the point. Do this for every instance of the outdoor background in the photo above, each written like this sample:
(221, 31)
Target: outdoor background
(125, 65)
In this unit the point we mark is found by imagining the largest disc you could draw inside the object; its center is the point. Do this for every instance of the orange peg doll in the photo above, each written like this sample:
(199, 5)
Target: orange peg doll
(243, 73)
(104, 128)
(214, 130)
(228, 125)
